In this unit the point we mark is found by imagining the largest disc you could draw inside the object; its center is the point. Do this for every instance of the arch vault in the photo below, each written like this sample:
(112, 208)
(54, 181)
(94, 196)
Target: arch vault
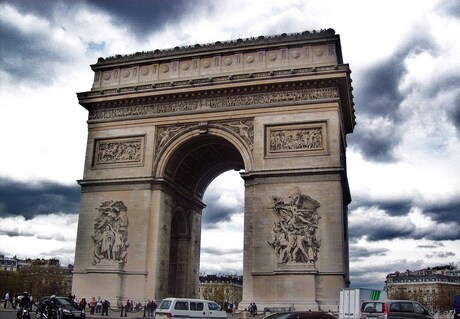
(163, 124)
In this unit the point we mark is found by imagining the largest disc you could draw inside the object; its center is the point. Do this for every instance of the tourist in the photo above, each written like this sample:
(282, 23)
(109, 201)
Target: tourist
(7, 298)
(105, 308)
(98, 305)
(92, 305)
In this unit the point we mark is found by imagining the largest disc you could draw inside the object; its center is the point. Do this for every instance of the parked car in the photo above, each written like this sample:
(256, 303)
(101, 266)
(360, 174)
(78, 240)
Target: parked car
(394, 309)
(457, 307)
(301, 315)
(183, 307)
(68, 308)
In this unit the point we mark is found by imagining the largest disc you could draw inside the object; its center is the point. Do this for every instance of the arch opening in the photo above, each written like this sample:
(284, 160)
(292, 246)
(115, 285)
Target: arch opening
(191, 168)
(197, 162)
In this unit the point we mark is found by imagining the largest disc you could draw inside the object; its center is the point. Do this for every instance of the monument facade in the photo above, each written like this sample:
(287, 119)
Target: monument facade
(163, 124)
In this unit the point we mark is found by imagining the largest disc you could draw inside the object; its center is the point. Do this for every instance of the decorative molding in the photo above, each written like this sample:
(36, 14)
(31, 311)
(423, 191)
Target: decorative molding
(294, 232)
(300, 139)
(118, 152)
(239, 43)
(110, 235)
(216, 103)
(243, 128)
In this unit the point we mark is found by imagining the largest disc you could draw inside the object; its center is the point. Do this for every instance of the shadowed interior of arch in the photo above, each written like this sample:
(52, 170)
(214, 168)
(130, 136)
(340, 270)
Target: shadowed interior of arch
(197, 162)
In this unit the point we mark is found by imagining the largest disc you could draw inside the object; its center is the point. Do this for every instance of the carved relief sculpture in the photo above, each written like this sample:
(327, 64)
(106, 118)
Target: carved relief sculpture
(120, 150)
(282, 140)
(219, 103)
(244, 128)
(111, 233)
(166, 133)
(294, 232)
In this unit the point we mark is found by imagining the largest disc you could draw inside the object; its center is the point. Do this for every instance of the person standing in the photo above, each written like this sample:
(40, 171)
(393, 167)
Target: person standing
(92, 305)
(98, 305)
(105, 308)
(7, 298)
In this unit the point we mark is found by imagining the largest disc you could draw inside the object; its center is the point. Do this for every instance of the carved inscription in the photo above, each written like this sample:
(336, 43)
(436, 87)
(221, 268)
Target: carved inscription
(119, 151)
(111, 233)
(294, 230)
(152, 109)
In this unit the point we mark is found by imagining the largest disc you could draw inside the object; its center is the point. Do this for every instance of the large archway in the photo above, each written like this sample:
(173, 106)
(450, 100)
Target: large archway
(188, 165)
(163, 124)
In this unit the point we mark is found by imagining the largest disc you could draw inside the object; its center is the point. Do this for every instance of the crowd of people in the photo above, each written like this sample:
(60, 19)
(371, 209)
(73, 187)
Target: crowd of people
(15, 300)
(99, 306)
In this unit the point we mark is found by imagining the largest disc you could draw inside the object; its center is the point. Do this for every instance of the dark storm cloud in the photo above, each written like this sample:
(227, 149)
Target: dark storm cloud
(38, 198)
(379, 229)
(216, 212)
(393, 207)
(445, 212)
(378, 97)
(454, 114)
(30, 56)
(393, 224)
(145, 16)
(378, 101)
(358, 253)
(41, 8)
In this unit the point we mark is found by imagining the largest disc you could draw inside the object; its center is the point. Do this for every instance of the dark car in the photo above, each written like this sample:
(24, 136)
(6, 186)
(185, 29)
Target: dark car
(301, 315)
(69, 308)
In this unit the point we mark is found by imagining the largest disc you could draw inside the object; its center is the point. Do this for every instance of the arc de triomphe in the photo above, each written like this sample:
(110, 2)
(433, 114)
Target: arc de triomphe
(163, 124)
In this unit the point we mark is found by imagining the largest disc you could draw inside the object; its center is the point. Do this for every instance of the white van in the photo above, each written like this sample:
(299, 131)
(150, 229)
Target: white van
(188, 308)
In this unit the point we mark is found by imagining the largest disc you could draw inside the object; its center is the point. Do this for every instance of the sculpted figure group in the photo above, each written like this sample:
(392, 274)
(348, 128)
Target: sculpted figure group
(294, 232)
(111, 232)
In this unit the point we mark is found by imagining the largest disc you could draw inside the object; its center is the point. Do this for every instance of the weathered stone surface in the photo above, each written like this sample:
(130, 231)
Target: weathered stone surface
(163, 124)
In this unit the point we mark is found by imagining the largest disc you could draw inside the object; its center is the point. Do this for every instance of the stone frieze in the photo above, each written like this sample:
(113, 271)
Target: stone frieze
(217, 103)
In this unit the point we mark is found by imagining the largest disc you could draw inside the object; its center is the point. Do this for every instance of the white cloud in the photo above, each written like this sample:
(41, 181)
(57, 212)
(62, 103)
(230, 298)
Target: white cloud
(40, 236)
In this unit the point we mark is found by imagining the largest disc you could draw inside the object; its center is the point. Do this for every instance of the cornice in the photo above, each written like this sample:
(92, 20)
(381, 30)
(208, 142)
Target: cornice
(246, 78)
(216, 46)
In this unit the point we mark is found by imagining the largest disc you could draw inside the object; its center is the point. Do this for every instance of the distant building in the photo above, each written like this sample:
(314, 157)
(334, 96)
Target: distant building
(225, 289)
(433, 287)
(35, 276)
(8, 264)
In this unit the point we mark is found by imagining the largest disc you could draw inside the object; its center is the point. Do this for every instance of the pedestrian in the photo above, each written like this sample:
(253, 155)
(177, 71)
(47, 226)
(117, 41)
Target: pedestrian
(98, 305)
(83, 303)
(7, 298)
(105, 308)
(92, 305)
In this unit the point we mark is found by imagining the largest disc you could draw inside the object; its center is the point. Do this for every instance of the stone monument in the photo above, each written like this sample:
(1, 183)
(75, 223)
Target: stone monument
(163, 124)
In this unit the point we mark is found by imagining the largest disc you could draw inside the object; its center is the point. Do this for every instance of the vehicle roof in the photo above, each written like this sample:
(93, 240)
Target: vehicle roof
(188, 299)
(302, 315)
(390, 300)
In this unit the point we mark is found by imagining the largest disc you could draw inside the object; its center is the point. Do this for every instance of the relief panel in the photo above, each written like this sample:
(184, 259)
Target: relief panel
(119, 152)
(110, 236)
(301, 139)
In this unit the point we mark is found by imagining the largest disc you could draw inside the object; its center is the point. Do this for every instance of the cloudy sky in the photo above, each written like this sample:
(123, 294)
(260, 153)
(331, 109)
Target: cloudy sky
(403, 158)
